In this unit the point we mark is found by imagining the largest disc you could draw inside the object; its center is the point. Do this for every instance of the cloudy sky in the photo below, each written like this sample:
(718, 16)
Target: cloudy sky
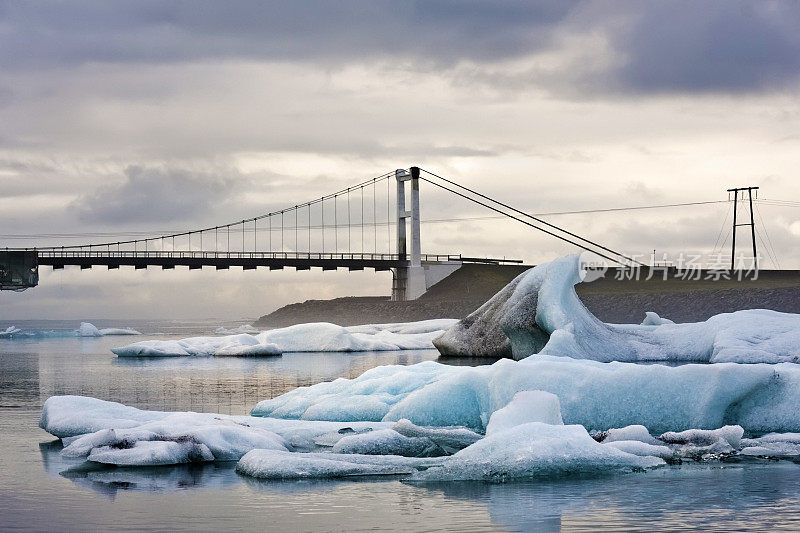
(123, 117)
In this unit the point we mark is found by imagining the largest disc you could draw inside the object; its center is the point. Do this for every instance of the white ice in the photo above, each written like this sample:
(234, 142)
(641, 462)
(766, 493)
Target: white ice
(118, 331)
(86, 329)
(387, 442)
(244, 328)
(112, 433)
(749, 336)
(534, 450)
(152, 453)
(526, 406)
(635, 432)
(312, 337)
(269, 464)
(759, 397)
(9, 332)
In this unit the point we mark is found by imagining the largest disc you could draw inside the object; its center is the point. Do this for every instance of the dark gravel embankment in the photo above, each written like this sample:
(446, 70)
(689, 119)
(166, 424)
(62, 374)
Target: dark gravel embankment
(609, 299)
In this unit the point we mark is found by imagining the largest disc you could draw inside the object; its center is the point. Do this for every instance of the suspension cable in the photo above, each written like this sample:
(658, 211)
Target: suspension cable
(520, 220)
(506, 206)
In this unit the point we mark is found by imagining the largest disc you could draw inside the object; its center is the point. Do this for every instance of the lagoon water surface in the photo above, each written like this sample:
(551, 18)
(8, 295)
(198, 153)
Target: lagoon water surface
(39, 490)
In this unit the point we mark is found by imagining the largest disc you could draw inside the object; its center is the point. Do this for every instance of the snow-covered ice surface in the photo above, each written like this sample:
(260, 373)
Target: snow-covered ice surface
(86, 329)
(544, 314)
(312, 337)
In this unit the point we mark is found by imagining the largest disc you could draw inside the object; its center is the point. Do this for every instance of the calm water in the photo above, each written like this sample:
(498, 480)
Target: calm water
(41, 491)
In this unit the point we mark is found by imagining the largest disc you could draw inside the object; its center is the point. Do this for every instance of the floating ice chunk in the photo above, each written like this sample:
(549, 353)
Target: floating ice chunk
(540, 312)
(450, 439)
(68, 416)
(652, 319)
(313, 337)
(422, 326)
(387, 442)
(234, 345)
(635, 432)
(535, 450)
(88, 330)
(524, 407)
(244, 328)
(269, 464)
(705, 437)
(792, 438)
(773, 449)
(9, 332)
(152, 453)
(760, 398)
(226, 439)
(79, 422)
(118, 331)
(637, 447)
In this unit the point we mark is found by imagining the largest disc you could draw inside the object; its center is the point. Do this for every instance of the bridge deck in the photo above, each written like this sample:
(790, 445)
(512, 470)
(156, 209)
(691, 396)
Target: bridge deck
(223, 260)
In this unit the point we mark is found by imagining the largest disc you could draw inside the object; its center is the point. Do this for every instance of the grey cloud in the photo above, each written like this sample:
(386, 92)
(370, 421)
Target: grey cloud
(655, 47)
(155, 31)
(156, 194)
(711, 45)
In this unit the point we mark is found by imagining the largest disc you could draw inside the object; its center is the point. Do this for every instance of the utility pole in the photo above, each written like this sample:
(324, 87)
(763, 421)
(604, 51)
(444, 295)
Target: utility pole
(752, 224)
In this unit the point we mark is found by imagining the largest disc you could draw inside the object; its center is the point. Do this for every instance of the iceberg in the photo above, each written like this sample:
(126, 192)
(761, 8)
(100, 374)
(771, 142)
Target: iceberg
(761, 398)
(535, 450)
(312, 337)
(269, 464)
(270, 448)
(244, 328)
(105, 332)
(9, 332)
(86, 330)
(540, 312)
(86, 424)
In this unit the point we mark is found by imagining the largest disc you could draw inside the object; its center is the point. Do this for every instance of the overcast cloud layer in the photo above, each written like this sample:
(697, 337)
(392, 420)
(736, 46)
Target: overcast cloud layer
(124, 117)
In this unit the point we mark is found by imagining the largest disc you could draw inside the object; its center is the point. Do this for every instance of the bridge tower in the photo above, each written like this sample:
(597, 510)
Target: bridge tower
(409, 281)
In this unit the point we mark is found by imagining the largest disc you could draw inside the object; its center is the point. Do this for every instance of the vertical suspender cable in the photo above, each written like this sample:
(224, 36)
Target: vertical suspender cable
(375, 216)
(349, 228)
(335, 225)
(362, 220)
(388, 215)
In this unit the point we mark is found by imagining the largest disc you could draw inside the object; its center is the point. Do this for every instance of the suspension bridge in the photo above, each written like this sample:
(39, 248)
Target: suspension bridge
(374, 224)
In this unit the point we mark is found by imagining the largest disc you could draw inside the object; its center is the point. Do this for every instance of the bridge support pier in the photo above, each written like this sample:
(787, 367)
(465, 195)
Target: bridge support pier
(410, 282)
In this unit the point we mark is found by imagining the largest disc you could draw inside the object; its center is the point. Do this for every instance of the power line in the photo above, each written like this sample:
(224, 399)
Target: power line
(255, 229)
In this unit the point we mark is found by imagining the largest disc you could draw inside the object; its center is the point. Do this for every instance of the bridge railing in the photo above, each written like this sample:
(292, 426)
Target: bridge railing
(182, 254)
